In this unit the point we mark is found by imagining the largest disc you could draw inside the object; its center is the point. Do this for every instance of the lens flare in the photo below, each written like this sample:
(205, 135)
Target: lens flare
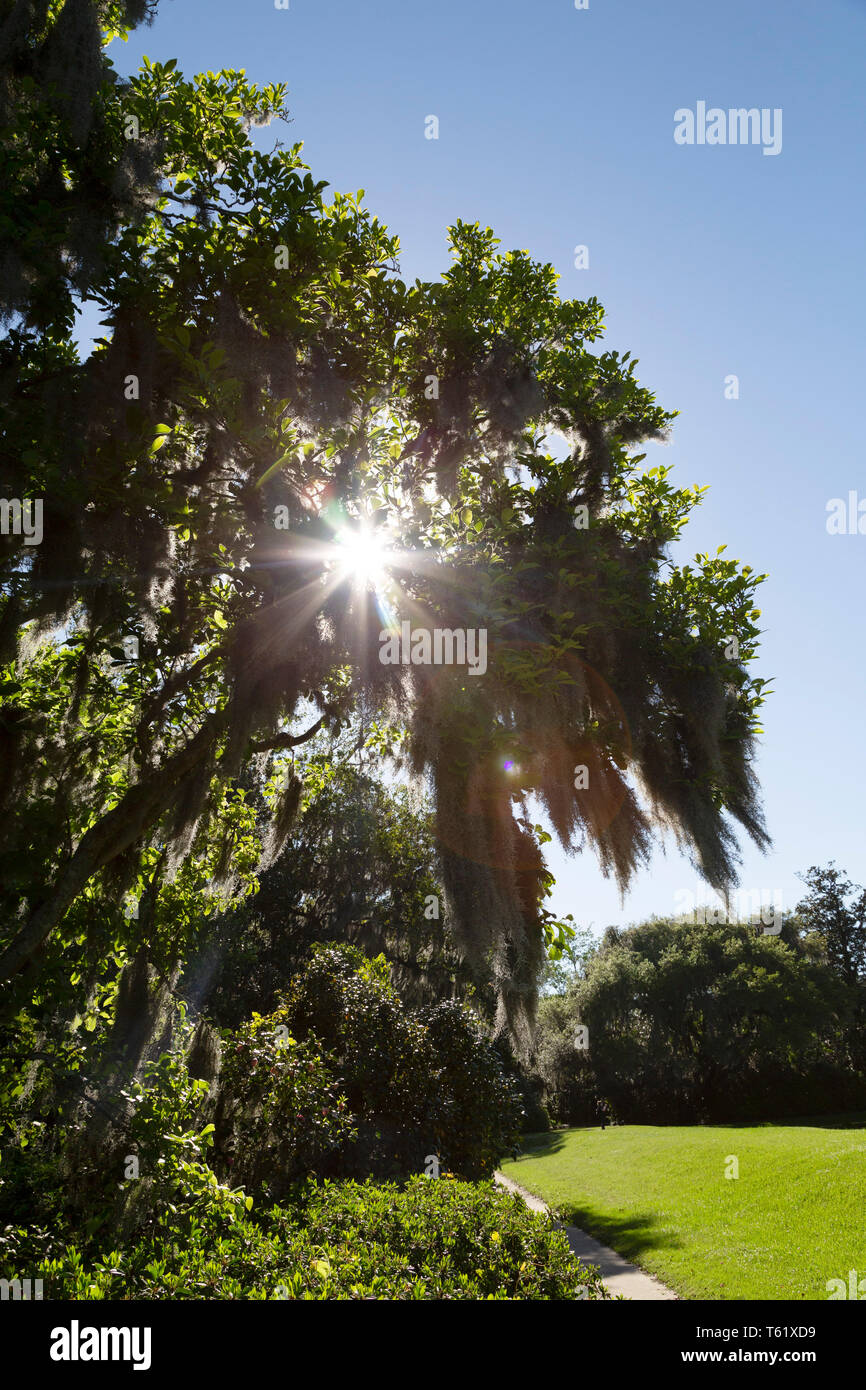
(362, 556)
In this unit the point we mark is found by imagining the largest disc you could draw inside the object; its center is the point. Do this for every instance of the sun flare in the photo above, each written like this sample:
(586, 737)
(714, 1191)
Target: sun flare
(363, 556)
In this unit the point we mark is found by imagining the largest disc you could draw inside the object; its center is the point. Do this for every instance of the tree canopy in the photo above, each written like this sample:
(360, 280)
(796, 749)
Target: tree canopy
(266, 380)
(832, 916)
(674, 1022)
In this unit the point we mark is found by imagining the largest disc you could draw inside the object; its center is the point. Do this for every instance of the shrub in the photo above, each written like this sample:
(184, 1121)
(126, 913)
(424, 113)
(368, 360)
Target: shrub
(478, 1108)
(391, 1088)
(431, 1239)
(280, 1113)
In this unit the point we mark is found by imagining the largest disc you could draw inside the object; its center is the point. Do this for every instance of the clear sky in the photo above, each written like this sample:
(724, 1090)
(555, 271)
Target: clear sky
(556, 128)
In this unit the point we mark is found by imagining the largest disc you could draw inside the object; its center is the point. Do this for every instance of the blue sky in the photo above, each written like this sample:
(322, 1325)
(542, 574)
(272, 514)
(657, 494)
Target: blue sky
(556, 129)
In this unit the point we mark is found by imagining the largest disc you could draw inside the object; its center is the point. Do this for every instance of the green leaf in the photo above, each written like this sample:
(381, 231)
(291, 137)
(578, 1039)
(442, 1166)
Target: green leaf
(284, 458)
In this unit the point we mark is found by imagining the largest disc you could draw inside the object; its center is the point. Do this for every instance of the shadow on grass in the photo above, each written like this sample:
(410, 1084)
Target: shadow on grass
(551, 1141)
(630, 1236)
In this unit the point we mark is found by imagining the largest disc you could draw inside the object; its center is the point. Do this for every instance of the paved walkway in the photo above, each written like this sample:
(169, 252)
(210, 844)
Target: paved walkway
(617, 1273)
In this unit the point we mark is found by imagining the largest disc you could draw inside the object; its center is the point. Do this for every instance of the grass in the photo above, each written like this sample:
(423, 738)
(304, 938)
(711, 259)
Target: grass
(791, 1220)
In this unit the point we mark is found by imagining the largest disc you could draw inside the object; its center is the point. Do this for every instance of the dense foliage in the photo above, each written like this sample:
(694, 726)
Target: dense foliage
(342, 1079)
(359, 864)
(694, 1021)
(412, 1086)
(428, 1240)
(163, 1204)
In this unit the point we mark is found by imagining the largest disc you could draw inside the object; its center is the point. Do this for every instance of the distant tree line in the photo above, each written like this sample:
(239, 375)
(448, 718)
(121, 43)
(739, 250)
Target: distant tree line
(679, 1022)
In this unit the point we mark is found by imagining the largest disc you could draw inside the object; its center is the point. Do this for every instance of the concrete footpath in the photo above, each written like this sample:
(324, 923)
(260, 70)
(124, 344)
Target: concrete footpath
(619, 1276)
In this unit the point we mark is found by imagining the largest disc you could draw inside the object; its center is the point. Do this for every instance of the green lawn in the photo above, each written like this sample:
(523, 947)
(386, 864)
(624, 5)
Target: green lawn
(793, 1219)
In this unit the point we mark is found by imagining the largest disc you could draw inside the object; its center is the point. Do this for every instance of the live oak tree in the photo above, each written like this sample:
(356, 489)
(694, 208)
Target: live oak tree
(265, 379)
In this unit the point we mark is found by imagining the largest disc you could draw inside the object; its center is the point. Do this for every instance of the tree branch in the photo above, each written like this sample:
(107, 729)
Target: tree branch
(289, 740)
